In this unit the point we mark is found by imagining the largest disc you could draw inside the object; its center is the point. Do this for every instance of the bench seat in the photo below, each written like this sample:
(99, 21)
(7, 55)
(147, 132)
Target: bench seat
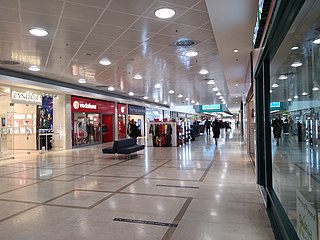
(123, 146)
(130, 149)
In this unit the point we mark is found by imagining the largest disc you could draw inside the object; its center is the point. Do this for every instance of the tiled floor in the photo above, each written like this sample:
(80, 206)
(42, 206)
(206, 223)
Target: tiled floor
(195, 192)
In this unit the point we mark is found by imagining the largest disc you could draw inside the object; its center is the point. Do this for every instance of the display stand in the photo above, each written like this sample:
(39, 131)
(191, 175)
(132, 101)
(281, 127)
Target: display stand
(45, 139)
(162, 134)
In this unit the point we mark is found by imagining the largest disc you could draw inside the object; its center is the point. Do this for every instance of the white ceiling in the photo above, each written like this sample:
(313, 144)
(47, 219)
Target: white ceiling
(135, 41)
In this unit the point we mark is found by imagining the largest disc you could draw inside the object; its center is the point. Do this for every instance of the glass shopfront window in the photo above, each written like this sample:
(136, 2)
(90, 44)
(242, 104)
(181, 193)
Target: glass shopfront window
(295, 122)
(86, 128)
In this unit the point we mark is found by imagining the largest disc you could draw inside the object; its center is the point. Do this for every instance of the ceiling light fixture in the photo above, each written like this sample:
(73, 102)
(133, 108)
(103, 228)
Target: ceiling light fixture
(236, 84)
(210, 82)
(111, 89)
(193, 101)
(157, 100)
(187, 99)
(294, 48)
(236, 50)
(39, 32)
(316, 41)
(145, 97)
(283, 77)
(157, 85)
(275, 85)
(304, 94)
(203, 71)
(131, 94)
(296, 97)
(270, 91)
(172, 104)
(191, 53)
(315, 89)
(289, 99)
(137, 77)
(296, 64)
(218, 93)
(221, 97)
(82, 80)
(197, 103)
(215, 89)
(164, 13)
(165, 102)
(180, 96)
(104, 61)
(34, 68)
(171, 92)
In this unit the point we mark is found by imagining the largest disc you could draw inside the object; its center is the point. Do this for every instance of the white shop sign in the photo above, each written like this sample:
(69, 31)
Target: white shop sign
(306, 218)
(26, 96)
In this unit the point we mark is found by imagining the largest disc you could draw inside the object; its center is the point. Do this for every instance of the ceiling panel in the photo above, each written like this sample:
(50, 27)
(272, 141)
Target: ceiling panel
(81, 12)
(148, 25)
(73, 25)
(95, 3)
(47, 7)
(193, 18)
(107, 30)
(117, 19)
(39, 20)
(9, 15)
(136, 7)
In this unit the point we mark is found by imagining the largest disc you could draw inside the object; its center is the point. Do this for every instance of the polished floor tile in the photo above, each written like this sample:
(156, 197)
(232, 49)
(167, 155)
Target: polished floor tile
(195, 191)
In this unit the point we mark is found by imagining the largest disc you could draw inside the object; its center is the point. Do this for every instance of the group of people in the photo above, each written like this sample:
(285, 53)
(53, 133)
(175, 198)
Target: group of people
(215, 126)
(132, 129)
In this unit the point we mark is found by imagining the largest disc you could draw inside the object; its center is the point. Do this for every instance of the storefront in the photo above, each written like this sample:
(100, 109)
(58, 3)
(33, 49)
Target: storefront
(137, 114)
(122, 120)
(153, 114)
(92, 121)
(27, 121)
(287, 114)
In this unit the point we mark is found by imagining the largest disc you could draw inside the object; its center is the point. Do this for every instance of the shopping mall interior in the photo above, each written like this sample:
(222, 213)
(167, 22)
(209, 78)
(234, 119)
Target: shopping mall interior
(159, 119)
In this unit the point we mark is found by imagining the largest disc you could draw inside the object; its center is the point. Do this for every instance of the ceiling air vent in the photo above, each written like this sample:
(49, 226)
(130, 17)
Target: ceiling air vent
(185, 43)
(8, 62)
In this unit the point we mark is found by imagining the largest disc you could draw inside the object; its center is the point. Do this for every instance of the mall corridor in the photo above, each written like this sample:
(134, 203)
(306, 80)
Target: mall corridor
(198, 191)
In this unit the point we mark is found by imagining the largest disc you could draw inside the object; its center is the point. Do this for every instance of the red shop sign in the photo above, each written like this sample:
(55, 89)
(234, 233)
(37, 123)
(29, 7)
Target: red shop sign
(122, 108)
(79, 104)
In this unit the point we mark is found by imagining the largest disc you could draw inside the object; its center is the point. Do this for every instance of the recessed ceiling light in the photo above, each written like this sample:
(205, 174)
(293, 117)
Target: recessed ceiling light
(221, 97)
(187, 99)
(316, 41)
(145, 97)
(236, 84)
(283, 77)
(270, 91)
(104, 61)
(203, 71)
(172, 104)
(296, 64)
(137, 77)
(165, 102)
(275, 85)
(191, 53)
(289, 99)
(193, 101)
(218, 93)
(210, 82)
(294, 48)
(157, 85)
(315, 89)
(236, 50)
(180, 96)
(197, 103)
(296, 97)
(157, 100)
(111, 89)
(215, 89)
(171, 91)
(34, 68)
(131, 94)
(304, 94)
(82, 80)
(39, 32)
(164, 13)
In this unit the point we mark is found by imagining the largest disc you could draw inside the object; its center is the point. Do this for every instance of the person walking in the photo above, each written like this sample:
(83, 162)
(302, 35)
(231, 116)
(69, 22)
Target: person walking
(277, 128)
(207, 125)
(133, 130)
(216, 130)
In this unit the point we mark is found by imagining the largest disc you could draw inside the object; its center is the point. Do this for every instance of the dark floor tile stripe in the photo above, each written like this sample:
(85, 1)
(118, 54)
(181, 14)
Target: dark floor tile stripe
(162, 224)
(176, 186)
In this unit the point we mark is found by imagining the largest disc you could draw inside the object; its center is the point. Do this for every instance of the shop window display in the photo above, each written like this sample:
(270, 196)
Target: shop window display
(86, 129)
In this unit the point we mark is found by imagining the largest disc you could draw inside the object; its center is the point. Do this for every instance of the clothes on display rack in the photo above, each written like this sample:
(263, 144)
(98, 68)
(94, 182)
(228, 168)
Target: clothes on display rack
(161, 135)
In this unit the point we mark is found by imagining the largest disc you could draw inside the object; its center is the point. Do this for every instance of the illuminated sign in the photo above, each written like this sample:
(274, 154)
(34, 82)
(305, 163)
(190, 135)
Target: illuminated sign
(27, 96)
(275, 104)
(211, 107)
(77, 105)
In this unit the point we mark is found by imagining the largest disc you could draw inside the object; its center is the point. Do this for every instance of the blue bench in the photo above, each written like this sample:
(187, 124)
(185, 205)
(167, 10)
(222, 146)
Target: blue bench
(123, 146)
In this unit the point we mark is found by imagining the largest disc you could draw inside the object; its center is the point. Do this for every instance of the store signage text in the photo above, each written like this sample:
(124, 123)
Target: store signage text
(77, 105)
(211, 107)
(256, 28)
(27, 96)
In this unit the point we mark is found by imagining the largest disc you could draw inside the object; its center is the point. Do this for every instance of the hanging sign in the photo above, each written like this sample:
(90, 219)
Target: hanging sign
(26, 96)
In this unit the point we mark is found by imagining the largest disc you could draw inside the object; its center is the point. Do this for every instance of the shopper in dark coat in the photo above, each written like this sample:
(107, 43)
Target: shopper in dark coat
(133, 130)
(277, 128)
(216, 130)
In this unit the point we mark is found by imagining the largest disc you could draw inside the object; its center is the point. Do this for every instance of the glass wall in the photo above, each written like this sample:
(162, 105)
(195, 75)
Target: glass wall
(295, 122)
